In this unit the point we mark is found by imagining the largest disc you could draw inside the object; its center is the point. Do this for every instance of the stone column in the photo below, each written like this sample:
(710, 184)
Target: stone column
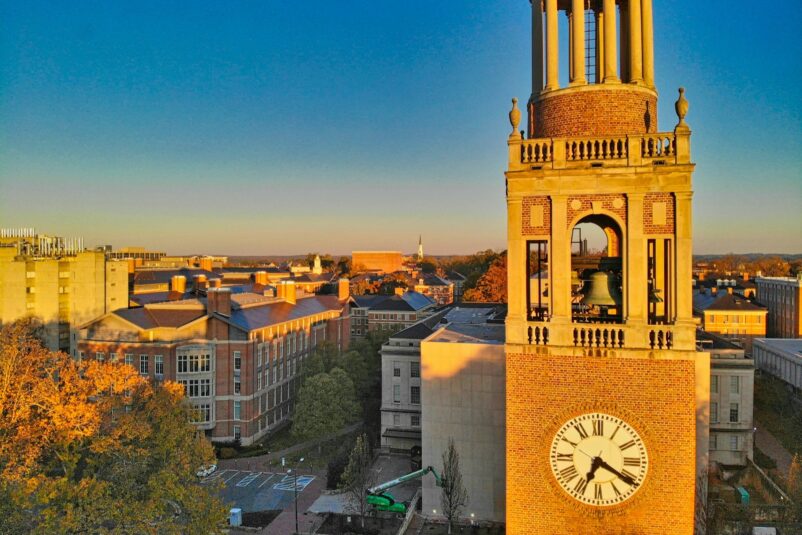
(610, 39)
(537, 47)
(560, 260)
(636, 277)
(683, 213)
(635, 43)
(552, 54)
(599, 45)
(516, 279)
(578, 41)
(570, 46)
(624, 42)
(648, 42)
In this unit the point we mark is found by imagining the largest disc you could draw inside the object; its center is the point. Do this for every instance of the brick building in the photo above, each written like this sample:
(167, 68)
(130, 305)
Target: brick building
(439, 289)
(388, 313)
(379, 261)
(239, 356)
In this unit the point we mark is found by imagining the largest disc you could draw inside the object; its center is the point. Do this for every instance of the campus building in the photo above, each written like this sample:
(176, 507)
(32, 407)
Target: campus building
(56, 281)
(731, 315)
(783, 297)
(239, 356)
(781, 358)
(378, 261)
(388, 313)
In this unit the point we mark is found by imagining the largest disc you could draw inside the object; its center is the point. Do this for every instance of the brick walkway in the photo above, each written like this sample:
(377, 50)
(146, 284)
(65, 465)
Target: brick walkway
(765, 442)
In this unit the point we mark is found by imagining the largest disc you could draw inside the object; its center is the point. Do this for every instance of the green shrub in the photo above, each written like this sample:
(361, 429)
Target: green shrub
(227, 453)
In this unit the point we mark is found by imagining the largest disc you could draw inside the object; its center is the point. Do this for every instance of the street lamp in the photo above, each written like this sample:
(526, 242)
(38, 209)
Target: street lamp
(294, 473)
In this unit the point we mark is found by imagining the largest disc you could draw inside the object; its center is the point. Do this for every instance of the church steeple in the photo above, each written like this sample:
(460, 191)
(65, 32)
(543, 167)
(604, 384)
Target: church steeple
(420, 248)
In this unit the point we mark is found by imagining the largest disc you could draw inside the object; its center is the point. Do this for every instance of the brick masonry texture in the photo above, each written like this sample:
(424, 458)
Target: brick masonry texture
(526, 207)
(607, 201)
(648, 212)
(596, 113)
(655, 396)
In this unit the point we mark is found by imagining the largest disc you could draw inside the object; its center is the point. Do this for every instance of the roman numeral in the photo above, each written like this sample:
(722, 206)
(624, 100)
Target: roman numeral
(630, 476)
(569, 473)
(580, 486)
(597, 491)
(581, 430)
(627, 445)
(614, 432)
(598, 428)
(565, 457)
(631, 461)
(571, 443)
(615, 489)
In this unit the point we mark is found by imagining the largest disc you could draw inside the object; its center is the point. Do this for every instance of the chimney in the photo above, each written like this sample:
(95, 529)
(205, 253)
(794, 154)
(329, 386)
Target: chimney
(745, 276)
(729, 290)
(215, 283)
(201, 282)
(178, 283)
(218, 300)
(399, 290)
(289, 292)
(206, 263)
(260, 277)
(713, 290)
(280, 290)
(343, 289)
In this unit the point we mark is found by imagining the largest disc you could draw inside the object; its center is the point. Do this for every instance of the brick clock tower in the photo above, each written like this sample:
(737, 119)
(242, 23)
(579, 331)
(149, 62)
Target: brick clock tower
(606, 394)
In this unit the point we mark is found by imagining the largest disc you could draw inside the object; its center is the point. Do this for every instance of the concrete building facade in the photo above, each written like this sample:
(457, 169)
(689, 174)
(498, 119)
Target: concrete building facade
(780, 357)
(62, 289)
(783, 297)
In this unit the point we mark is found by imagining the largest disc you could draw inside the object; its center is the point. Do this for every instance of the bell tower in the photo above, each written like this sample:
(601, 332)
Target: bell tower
(606, 394)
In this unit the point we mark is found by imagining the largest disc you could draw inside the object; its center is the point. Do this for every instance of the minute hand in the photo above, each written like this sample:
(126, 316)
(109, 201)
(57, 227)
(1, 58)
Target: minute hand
(626, 479)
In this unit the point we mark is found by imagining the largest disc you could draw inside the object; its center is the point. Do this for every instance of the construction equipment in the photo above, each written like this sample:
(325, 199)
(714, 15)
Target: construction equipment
(384, 501)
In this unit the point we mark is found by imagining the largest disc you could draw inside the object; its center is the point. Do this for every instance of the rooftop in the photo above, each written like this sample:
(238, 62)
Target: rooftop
(789, 346)
(724, 301)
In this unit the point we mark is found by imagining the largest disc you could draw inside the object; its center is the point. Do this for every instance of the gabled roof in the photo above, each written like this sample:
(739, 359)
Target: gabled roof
(153, 317)
(162, 276)
(314, 277)
(258, 317)
(731, 302)
(430, 279)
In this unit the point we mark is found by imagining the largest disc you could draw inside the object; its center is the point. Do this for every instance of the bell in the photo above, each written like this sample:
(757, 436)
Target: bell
(600, 290)
(654, 297)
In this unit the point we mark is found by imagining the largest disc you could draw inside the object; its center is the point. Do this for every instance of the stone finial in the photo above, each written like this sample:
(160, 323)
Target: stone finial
(515, 118)
(681, 107)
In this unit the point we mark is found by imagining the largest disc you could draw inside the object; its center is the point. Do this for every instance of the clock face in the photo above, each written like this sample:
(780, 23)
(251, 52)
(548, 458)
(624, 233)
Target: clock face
(598, 459)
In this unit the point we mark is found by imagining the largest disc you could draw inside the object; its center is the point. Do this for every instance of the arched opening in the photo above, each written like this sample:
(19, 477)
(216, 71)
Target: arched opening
(597, 286)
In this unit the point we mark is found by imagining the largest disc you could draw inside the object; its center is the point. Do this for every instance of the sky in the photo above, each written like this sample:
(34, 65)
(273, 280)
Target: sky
(280, 127)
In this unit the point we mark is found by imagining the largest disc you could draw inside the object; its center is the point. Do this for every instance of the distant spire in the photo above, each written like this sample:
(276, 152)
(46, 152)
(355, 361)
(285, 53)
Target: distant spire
(420, 248)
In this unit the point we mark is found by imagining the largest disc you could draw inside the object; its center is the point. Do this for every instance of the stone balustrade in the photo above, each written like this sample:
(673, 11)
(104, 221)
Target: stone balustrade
(601, 335)
(669, 148)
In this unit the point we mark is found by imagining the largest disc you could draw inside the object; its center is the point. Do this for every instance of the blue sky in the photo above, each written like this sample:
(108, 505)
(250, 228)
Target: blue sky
(286, 127)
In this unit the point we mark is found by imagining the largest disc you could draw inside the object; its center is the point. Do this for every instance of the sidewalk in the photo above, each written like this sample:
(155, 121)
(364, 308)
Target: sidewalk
(769, 445)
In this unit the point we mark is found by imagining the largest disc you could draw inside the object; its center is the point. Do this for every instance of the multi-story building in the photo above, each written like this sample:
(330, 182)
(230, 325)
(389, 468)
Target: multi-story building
(388, 313)
(780, 357)
(379, 261)
(57, 282)
(239, 356)
(783, 297)
(731, 316)
(440, 290)
(732, 385)
(459, 281)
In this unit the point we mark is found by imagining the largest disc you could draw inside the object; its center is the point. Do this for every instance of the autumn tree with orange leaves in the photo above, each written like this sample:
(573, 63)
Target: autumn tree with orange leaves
(92, 447)
(492, 286)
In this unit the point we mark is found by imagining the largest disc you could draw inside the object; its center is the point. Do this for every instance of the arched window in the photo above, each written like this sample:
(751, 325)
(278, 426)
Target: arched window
(597, 289)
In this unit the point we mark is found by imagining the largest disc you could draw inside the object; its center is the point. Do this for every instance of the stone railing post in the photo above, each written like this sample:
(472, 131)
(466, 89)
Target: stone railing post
(634, 150)
(682, 142)
(558, 153)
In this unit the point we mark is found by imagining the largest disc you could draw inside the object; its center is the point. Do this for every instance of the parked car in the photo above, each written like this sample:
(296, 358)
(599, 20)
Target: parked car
(206, 471)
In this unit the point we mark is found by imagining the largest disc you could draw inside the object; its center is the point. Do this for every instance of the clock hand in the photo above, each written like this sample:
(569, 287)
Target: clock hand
(626, 479)
(595, 465)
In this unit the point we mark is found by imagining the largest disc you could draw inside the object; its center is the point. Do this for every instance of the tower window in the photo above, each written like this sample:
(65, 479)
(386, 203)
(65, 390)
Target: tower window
(537, 288)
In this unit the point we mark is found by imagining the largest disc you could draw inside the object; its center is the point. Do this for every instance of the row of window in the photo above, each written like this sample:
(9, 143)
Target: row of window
(144, 361)
(197, 388)
(194, 363)
(735, 384)
(728, 318)
(414, 394)
(414, 420)
(735, 442)
(291, 344)
(414, 369)
(734, 413)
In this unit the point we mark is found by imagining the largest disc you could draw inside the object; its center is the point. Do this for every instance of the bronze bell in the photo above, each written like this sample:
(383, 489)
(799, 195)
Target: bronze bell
(600, 290)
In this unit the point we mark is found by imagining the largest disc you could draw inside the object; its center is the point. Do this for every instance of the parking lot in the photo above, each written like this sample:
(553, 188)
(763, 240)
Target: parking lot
(259, 491)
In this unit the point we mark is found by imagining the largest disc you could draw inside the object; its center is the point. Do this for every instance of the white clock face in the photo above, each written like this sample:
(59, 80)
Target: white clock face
(599, 459)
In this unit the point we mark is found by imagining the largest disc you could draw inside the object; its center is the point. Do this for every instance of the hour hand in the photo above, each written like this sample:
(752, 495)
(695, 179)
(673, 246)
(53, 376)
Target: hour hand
(595, 465)
(625, 478)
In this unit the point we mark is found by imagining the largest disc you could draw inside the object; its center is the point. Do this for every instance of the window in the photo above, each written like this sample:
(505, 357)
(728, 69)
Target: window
(396, 393)
(259, 356)
(414, 369)
(396, 420)
(129, 359)
(713, 441)
(735, 385)
(205, 363)
(714, 384)
(143, 364)
(416, 420)
(205, 388)
(714, 413)
(114, 357)
(237, 433)
(734, 412)
(237, 386)
(237, 410)
(237, 361)
(182, 364)
(159, 363)
(80, 355)
(415, 395)
(734, 442)
(396, 369)
(258, 381)
(100, 357)
(204, 412)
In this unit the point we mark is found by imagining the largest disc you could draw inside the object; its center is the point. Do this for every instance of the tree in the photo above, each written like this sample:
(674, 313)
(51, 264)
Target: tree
(91, 447)
(454, 496)
(794, 486)
(326, 403)
(492, 286)
(358, 476)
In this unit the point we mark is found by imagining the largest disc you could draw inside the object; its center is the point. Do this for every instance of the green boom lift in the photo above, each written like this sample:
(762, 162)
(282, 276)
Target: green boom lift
(384, 501)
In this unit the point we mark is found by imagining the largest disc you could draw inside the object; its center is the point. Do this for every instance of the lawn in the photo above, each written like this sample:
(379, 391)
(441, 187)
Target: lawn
(776, 409)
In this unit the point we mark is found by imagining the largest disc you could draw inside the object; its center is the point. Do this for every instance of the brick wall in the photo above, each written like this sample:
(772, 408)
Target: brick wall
(657, 397)
(664, 223)
(597, 112)
(615, 203)
(541, 205)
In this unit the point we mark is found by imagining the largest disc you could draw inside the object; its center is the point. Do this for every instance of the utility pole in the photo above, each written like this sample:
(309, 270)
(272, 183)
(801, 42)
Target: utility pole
(294, 472)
